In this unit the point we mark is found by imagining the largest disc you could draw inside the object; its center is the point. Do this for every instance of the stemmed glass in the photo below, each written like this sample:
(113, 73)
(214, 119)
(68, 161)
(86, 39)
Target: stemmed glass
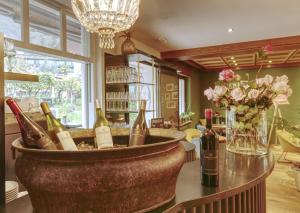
(9, 52)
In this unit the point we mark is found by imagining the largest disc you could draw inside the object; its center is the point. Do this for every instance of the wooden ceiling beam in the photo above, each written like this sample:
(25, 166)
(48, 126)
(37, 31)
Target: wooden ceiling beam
(194, 64)
(286, 43)
(265, 66)
(290, 55)
(225, 62)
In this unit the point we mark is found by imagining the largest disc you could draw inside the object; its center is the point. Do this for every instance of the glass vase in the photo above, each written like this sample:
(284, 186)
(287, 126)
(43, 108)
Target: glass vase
(246, 132)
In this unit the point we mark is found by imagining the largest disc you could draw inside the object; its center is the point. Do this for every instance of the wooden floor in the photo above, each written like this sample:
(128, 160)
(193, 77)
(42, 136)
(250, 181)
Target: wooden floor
(282, 195)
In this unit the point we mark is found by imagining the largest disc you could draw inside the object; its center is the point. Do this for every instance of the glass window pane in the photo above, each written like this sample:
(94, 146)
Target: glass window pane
(11, 18)
(181, 96)
(77, 37)
(44, 25)
(60, 83)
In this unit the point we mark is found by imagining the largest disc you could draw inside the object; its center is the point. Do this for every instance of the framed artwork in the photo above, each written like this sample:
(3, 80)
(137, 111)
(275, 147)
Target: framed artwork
(171, 105)
(170, 87)
(176, 87)
(174, 95)
(168, 96)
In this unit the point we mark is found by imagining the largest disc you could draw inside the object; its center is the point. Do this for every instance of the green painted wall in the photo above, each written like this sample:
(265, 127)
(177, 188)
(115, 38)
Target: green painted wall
(290, 112)
(194, 95)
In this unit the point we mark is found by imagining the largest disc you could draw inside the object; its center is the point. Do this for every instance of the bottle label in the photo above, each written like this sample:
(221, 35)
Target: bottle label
(137, 137)
(210, 162)
(103, 137)
(66, 141)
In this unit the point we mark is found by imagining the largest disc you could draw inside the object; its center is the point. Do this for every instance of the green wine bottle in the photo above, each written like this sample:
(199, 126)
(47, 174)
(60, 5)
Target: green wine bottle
(57, 131)
(103, 137)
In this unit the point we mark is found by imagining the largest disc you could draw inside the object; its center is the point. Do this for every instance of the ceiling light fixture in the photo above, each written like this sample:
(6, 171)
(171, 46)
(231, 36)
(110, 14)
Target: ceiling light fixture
(106, 17)
(235, 64)
(234, 61)
(231, 57)
(270, 62)
(230, 30)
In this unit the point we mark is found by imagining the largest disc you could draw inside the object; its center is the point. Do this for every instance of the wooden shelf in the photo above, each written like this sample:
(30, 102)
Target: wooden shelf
(14, 76)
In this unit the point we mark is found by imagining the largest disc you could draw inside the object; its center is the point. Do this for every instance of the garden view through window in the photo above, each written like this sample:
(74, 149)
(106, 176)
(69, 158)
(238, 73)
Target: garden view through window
(60, 84)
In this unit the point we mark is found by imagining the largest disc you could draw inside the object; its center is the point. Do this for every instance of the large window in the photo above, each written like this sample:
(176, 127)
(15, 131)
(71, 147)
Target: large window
(52, 44)
(11, 18)
(60, 84)
(77, 38)
(182, 98)
(44, 25)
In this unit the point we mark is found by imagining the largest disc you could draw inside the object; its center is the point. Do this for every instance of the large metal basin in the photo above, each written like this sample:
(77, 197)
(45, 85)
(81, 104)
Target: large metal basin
(130, 179)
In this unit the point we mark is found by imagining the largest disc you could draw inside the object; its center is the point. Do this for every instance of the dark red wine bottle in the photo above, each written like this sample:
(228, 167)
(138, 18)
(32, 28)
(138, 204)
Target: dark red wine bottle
(209, 153)
(34, 136)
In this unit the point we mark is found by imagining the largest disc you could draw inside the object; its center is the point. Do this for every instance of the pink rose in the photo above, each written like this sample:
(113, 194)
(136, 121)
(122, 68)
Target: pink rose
(281, 87)
(282, 78)
(253, 94)
(267, 80)
(209, 93)
(237, 94)
(220, 90)
(268, 48)
(226, 75)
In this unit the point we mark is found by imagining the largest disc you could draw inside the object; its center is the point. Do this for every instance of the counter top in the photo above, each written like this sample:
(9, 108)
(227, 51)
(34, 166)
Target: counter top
(238, 174)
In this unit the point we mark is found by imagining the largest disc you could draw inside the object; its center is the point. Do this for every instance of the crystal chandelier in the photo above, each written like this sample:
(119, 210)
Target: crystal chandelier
(106, 17)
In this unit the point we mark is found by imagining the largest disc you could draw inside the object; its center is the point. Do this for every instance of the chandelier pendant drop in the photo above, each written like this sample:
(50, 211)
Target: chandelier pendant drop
(106, 17)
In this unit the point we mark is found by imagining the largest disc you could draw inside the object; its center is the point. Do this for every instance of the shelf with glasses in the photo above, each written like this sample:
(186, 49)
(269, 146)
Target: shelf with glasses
(127, 82)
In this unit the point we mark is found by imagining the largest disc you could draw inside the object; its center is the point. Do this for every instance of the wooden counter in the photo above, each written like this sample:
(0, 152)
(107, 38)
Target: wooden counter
(242, 187)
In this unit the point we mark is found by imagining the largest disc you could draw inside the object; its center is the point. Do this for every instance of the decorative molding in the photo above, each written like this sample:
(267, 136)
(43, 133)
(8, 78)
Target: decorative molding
(285, 43)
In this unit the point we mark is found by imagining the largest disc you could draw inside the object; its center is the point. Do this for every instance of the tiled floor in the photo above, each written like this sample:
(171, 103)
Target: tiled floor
(282, 195)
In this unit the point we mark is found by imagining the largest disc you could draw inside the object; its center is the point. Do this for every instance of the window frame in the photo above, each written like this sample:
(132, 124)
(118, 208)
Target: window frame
(184, 79)
(67, 13)
(62, 52)
(90, 60)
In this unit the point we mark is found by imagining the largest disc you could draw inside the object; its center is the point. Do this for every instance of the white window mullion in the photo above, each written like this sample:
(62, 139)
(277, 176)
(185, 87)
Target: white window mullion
(63, 33)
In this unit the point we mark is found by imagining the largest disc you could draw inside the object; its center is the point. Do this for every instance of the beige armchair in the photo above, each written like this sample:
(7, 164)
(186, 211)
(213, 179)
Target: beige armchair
(289, 143)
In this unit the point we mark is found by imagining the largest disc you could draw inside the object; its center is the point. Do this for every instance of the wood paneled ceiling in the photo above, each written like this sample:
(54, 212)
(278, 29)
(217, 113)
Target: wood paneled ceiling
(285, 53)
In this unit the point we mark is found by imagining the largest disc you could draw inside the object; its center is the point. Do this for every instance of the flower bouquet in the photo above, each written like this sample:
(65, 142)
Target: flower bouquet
(246, 102)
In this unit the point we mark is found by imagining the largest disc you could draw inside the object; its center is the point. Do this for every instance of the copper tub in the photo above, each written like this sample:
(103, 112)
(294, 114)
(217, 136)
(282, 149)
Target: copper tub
(130, 179)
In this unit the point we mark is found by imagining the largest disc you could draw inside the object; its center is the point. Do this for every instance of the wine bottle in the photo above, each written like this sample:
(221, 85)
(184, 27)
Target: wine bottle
(33, 135)
(139, 130)
(103, 137)
(57, 131)
(209, 153)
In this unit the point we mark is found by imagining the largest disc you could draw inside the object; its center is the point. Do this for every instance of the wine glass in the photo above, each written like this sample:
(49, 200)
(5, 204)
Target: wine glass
(9, 52)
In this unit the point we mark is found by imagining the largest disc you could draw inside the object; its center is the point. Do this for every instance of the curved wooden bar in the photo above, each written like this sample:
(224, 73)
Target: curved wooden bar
(242, 186)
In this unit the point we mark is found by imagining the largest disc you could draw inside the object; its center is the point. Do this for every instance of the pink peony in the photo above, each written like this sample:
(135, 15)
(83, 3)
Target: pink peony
(220, 91)
(253, 94)
(282, 78)
(237, 94)
(268, 48)
(226, 75)
(209, 93)
(267, 80)
(281, 87)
